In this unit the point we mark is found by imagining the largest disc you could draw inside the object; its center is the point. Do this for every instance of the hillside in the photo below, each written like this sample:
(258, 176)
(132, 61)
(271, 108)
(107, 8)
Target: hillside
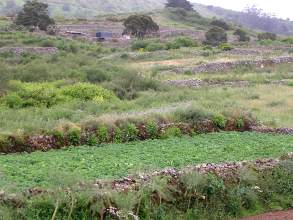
(250, 20)
(87, 8)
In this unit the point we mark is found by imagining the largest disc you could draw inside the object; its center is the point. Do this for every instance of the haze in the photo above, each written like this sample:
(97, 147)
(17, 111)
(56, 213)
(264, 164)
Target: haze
(281, 8)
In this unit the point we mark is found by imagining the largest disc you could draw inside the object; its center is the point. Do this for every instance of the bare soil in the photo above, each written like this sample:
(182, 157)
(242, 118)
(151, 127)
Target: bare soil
(280, 215)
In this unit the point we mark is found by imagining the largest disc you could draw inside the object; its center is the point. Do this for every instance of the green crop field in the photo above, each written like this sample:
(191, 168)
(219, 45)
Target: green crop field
(117, 160)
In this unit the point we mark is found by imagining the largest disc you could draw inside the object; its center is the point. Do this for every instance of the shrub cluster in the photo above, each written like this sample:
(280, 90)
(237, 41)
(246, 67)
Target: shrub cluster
(267, 36)
(132, 130)
(154, 45)
(48, 94)
(221, 24)
(242, 35)
(215, 36)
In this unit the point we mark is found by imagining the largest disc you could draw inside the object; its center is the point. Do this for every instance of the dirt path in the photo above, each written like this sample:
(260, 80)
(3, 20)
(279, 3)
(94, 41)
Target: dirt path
(280, 215)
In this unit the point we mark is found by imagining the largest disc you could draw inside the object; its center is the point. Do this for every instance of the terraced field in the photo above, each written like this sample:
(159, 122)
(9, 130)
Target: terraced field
(75, 114)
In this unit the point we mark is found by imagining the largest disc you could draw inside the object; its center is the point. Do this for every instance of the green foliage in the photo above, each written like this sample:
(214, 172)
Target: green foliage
(155, 46)
(220, 121)
(288, 40)
(215, 36)
(171, 132)
(34, 15)
(118, 135)
(140, 26)
(184, 4)
(103, 134)
(116, 160)
(225, 47)
(221, 24)
(242, 35)
(130, 132)
(92, 140)
(152, 130)
(182, 42)
(267, 36)
(127, 86)
(87, 91)
(49, 94)
(74, 136)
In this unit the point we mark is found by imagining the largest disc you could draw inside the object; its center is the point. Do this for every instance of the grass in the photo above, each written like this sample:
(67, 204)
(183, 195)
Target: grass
(117, 160)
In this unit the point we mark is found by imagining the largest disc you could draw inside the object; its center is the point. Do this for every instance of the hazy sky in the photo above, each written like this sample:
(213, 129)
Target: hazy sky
(281, 8)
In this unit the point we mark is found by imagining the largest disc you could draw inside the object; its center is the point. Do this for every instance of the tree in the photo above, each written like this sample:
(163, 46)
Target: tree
(216, 36)
(221, 24)
(267, 36)
(140, 26)
(180, 4)
(34, 15)
(242, 35)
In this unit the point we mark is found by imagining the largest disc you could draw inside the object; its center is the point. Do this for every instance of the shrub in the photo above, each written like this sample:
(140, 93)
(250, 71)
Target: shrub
(13, 100)
(267, 36)
(221, 24)
(74, 136)
(49, 94)
(128, 85)
(103, 134)
(239, 123)
(154, 46)
(117, 135)
(225, 47)
(242, 35)
(97, 75)
(219, 121)
(130, 132)
(215, 36)
(87, 91)
(139, 44)
(152, 130)
(182, 42)
(288, 40)
(32, 94)
(171, 132)
(92, 140)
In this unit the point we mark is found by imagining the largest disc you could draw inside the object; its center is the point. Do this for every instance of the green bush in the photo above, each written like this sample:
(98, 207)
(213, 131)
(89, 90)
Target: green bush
(154, 46)
(225, 47)
(171, 132)
(219, 121)
(215, 36)
(267, 36)
(74, 136)
(103, 134)
(152, 130)
(130, 132)
(221, 24)
(117, 135)
(288, 40)
(49, 94)
(128, 85)
(139, 44)
(182, 42)
(92, 140)
(242, 35)
(87, 91)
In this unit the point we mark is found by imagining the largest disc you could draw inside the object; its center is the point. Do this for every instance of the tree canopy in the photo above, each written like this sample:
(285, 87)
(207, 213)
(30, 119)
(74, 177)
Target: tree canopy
(180, 4)
(215, 36)
(140, 26)
(34, 15)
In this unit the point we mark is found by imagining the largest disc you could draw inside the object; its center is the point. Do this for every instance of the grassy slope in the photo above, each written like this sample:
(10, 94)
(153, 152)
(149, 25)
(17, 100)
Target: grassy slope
(116, 160)
(91, 8)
